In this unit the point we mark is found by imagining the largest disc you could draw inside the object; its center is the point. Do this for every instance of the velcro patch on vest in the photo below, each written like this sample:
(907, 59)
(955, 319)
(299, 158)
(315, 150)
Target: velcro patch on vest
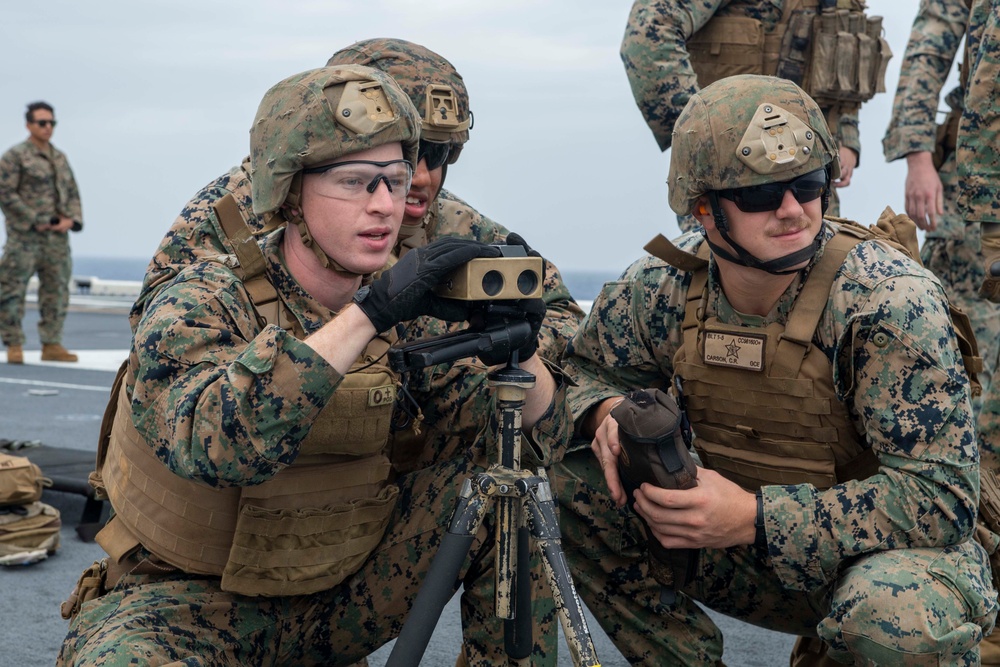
(379, 396)
(735, 350)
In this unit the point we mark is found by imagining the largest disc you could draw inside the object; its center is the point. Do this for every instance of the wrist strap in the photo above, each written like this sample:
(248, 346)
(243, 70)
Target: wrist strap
(760, 537)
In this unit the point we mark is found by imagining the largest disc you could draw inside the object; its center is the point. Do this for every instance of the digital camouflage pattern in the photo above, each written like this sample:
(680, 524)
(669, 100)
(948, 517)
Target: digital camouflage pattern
(839, 562)
(979, 172)
(978, 148)
(952, 250)
(418, 71)
(35, 186)
(656, 59)
(713, 154)
(232, 420)
(298, 125)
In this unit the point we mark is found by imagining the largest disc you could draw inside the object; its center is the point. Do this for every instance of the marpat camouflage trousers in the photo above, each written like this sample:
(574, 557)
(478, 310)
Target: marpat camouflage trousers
(905, 606)
(24, 254)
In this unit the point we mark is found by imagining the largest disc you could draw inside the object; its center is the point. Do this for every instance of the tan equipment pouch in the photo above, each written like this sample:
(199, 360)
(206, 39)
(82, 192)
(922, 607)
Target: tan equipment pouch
(726, 46)
(28, 533)
(286, 545)
(849, 58)
(21, 481)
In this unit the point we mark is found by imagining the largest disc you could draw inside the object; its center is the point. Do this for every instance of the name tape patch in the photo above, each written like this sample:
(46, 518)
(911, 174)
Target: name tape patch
(735, 350)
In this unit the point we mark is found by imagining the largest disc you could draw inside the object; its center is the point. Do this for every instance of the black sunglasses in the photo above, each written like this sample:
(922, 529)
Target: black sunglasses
(44, 123)
(767, 197)
(434, 154)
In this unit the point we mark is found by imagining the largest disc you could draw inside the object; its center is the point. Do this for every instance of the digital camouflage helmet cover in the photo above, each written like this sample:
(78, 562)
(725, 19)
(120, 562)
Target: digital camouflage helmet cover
(315, 117)
(434, 85)
(746, 130)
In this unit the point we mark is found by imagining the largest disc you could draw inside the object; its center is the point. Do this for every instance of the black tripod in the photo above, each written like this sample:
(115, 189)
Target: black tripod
(513, 491)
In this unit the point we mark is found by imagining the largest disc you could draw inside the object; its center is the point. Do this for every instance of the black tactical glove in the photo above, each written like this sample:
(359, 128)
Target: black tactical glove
(990, 289)
(405, 291)
(654, 451)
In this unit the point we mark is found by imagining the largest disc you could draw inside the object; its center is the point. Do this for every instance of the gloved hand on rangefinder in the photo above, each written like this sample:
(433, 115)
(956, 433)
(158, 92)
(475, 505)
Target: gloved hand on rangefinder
(653, 450)
(405, 291)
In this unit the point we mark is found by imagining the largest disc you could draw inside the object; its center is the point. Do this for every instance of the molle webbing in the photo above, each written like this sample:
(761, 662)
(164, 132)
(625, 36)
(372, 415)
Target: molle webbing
(304, 530)
(358, 418)
(781, 425)
(832, 50)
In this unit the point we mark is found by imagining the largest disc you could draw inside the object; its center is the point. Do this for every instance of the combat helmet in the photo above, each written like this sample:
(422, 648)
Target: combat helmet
(743, 131)
(434, 85)
(315, 117)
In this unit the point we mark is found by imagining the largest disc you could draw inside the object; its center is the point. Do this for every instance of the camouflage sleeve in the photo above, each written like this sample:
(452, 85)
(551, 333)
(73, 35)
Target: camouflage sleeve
(19, 216)
(216, 398)
(656, 60)
(899, 369)
(934, 40)
(628, 339)
(978, 152)
(74, 208)
(848, 133)
(194, 235)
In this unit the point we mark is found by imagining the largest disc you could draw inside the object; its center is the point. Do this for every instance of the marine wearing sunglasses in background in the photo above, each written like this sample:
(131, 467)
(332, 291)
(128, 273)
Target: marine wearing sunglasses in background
(828, 400)
(41, 203)
(439, 93)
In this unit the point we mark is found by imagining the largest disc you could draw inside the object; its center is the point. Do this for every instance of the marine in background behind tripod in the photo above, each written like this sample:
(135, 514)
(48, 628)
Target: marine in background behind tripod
(828, 399)
(671, 48)
(257, 517)
(41, 204)
(440, 95)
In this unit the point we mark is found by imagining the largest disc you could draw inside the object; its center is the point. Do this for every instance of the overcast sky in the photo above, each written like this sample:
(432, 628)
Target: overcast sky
(154, 100)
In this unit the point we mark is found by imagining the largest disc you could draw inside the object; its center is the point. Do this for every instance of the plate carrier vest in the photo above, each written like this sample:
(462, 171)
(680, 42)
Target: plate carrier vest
(829, 48)
(761, 400)
(306, 529)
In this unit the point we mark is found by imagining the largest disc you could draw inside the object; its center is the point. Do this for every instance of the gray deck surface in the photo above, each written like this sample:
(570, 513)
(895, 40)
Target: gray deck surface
(32, 629)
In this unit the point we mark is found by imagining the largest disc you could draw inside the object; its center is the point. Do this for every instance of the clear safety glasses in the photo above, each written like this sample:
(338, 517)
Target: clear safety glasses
(767, 197)
(358, 179)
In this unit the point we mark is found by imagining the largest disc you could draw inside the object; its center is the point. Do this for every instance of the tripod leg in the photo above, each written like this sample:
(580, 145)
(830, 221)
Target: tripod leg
(441, 581)
(517, 639)
(545, 528)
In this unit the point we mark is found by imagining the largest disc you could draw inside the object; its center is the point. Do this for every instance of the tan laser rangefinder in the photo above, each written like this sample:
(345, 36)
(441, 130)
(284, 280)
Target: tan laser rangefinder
(513, 275)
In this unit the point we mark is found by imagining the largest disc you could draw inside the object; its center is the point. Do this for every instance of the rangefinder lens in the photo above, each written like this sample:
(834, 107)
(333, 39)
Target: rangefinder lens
(527, 282)
(492, 282)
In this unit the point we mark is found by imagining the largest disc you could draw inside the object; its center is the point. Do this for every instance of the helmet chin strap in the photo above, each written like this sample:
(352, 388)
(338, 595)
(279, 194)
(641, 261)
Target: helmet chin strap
(778, 266)
(291, 211)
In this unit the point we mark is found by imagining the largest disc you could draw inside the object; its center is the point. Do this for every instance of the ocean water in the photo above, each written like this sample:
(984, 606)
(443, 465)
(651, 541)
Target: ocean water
(584, 285)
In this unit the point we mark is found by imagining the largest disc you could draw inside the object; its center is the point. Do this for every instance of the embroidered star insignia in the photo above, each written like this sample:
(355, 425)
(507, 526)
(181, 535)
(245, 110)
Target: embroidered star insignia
(733, 350)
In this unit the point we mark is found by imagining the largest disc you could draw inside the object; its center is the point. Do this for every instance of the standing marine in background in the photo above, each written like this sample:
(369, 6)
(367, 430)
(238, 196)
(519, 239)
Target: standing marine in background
(41, 204)
(978, 157)
(830, 48)
(951, 248)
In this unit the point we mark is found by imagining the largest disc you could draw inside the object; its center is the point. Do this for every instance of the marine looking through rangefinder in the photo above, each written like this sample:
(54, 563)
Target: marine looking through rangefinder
(513, 275)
